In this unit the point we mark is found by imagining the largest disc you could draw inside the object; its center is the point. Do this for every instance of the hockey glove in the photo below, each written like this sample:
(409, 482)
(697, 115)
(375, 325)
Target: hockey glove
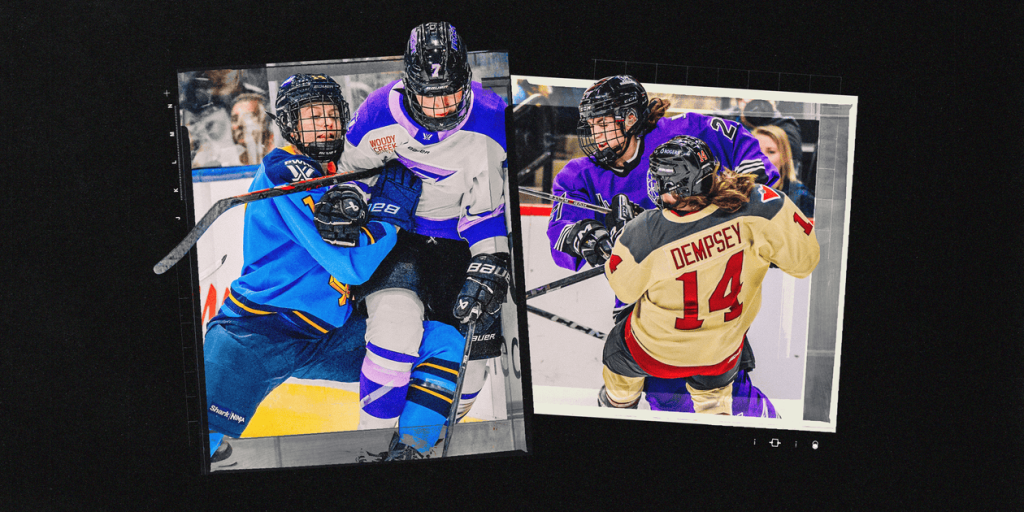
(586, 239)
(395, 195)
(487, 283)
(340, 214)
(623, 211)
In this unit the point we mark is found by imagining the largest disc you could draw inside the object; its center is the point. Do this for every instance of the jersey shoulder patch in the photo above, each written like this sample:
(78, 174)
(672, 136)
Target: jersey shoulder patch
(613, 263)
(283, 167)
(764, 202)
(768, 193)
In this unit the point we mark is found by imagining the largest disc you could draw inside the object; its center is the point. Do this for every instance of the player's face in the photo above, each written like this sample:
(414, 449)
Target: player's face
(319, 122)
(607, 133)
(610, 134)
(439, 106)
(770, 150)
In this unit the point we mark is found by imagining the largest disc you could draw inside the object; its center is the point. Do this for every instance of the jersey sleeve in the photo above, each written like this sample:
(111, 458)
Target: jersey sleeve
(482, 217)
(737, 148)
(351, 265)
(628, 278)
(569, 184)
(789, 241)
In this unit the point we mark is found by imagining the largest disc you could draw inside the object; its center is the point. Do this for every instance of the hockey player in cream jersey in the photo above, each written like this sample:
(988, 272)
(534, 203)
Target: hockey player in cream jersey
(450, 132)
(694, 269)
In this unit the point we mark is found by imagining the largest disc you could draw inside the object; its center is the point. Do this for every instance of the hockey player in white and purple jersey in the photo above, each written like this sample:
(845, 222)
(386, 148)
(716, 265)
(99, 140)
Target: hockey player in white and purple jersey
(290, 314)
(450, 132)
(618, 129)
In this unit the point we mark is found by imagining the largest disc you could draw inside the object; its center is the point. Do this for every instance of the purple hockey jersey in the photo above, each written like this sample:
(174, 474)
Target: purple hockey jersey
(584, 180)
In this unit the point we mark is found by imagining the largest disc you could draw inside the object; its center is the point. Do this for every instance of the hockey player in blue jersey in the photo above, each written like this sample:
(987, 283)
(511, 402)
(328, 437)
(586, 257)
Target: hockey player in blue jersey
(290, 312)
(450, 131)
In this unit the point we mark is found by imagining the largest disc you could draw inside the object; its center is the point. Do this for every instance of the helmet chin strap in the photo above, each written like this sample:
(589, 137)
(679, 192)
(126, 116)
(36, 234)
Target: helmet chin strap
(633, 162)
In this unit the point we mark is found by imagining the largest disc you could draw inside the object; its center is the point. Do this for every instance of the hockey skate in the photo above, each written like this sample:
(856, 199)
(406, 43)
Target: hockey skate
(220, 457)
(396, 451)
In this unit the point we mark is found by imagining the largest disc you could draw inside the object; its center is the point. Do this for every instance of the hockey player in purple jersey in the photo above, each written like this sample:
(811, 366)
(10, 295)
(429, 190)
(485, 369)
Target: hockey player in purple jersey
(450, 132)
(618, 129)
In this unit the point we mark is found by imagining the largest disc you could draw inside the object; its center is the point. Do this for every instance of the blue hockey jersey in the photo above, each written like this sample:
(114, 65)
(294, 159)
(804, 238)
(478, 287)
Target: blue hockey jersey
(289, 270)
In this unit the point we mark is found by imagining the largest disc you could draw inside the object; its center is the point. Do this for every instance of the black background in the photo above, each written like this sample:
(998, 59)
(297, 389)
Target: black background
(930, 389)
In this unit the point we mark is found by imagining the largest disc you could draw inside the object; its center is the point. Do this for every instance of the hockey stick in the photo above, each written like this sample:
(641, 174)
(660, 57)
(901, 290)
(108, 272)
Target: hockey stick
(566, 200)
(568, 323)
(209, 271)
(474, 314)
(227, 203)
(562, 283)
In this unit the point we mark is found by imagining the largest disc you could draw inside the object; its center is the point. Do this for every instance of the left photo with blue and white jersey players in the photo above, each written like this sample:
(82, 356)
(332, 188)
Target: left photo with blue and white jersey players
(374, 281)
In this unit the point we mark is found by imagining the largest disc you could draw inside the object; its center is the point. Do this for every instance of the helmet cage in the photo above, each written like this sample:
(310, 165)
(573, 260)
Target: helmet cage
(312, 137)
(684, 166)
(437, 65)
(617, 97)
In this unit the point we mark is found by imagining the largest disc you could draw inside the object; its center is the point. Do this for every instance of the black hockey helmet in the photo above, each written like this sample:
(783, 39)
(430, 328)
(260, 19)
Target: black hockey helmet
(300, 90)
(684, 165)
(436, 64)
(617, 97)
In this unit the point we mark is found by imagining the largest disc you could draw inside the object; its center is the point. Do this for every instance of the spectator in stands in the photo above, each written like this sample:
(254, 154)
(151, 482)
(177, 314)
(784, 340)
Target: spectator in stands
(754, 113)
(250, 128)
(775, 145)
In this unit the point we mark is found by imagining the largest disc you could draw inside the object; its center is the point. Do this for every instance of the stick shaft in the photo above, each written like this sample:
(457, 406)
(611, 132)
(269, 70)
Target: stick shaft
(228, 203)
(562, 283)
(568, 323)
(454, 412)
(566, 200)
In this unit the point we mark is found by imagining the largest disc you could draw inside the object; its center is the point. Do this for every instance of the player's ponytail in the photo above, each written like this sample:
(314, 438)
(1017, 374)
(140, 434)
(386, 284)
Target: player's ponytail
(730, 190)
(658, 108)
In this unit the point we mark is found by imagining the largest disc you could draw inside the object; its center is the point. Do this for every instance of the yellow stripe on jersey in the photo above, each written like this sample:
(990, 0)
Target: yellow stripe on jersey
(310, 322)
(425, 390)
(243, 306)
(449, 370)
(368, 235)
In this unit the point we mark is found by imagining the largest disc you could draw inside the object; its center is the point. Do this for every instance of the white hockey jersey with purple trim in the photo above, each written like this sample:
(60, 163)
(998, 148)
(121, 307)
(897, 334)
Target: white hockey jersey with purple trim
(463, 169)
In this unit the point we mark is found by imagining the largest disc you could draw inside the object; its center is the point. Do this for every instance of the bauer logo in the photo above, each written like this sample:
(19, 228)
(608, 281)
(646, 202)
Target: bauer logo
(391, 209)
(383, 145)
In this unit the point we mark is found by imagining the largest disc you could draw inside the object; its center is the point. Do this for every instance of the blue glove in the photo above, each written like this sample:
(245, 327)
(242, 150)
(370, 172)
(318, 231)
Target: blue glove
(395, 195)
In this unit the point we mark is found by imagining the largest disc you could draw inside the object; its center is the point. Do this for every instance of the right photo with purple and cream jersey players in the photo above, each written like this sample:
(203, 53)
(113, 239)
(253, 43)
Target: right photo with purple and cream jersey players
(684, 249)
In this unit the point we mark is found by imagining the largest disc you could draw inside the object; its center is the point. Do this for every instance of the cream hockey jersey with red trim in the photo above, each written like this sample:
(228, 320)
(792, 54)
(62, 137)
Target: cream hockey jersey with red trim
(463, 169)
(696, 278)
